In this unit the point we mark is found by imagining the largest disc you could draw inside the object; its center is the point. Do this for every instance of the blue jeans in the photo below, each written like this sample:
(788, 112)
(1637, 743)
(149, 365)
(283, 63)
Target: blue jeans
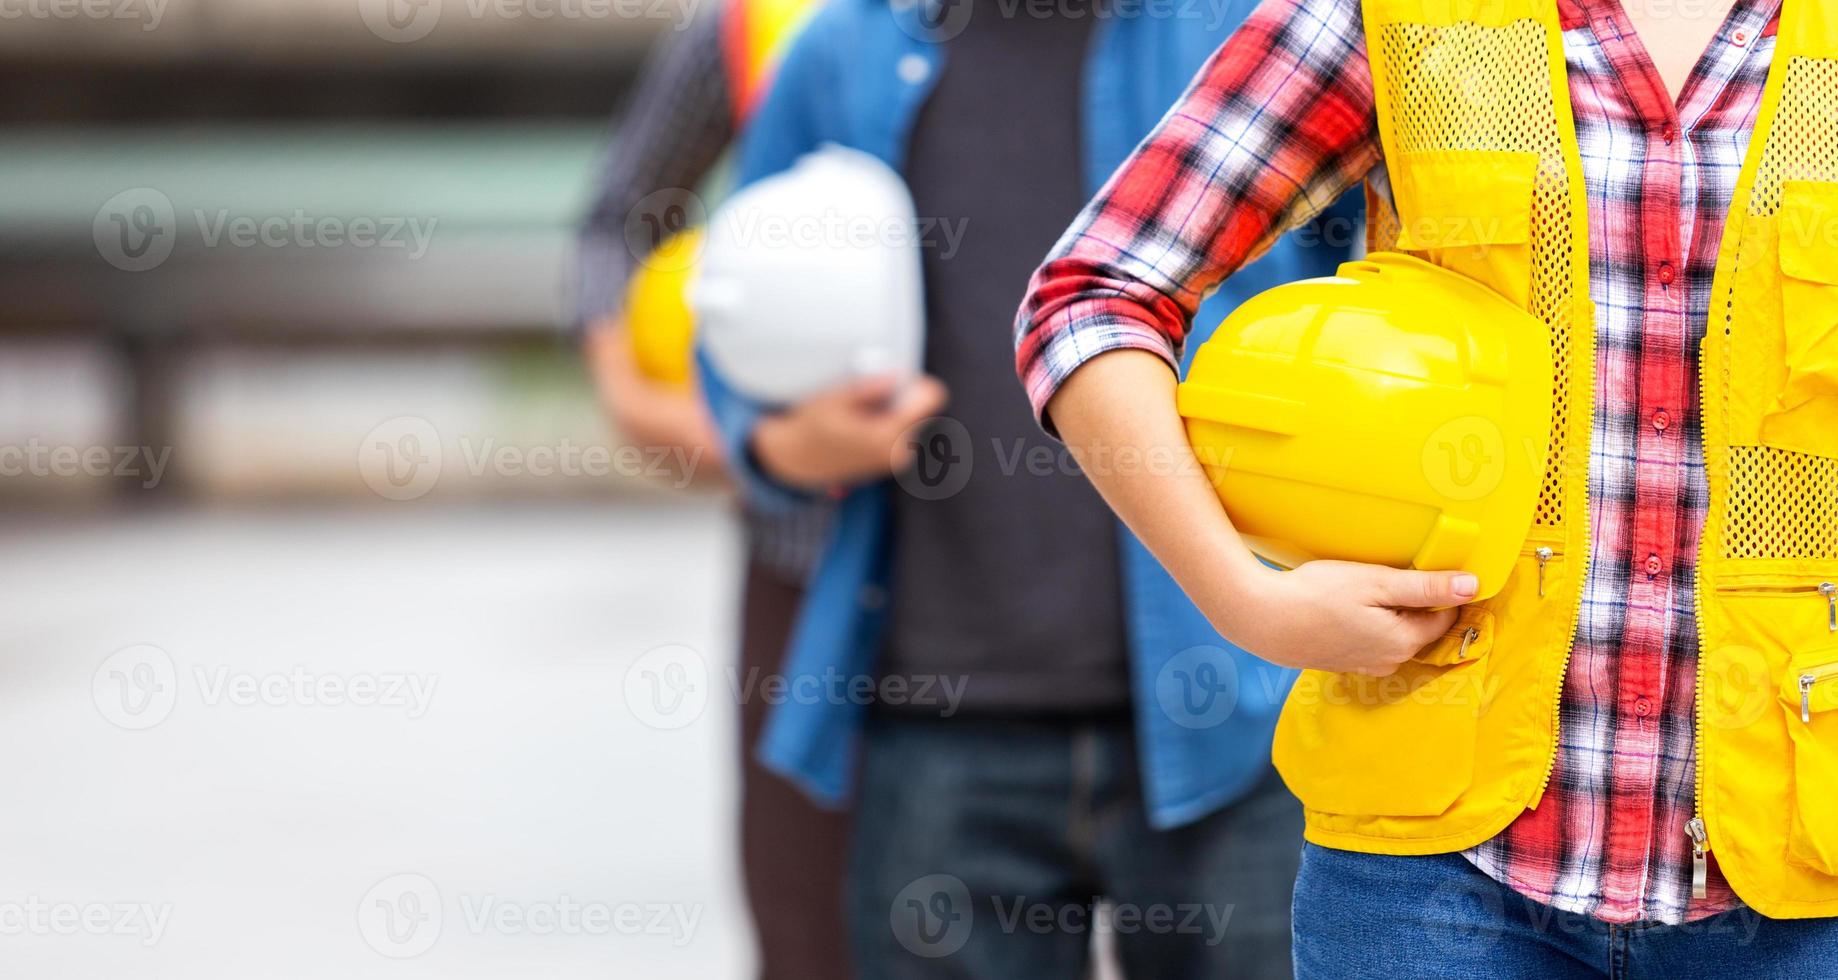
(1401, 918)
(982, 846)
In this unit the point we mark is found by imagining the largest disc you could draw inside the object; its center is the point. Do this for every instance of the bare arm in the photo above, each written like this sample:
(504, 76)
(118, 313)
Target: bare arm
(649, 413)
(1329, 615)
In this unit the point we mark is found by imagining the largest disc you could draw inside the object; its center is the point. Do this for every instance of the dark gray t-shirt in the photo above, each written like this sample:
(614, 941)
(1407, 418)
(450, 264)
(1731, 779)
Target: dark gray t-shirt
(1010, 584)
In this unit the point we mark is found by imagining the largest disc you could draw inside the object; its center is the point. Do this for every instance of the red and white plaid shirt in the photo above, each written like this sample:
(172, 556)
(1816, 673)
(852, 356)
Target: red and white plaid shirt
(1277, 125)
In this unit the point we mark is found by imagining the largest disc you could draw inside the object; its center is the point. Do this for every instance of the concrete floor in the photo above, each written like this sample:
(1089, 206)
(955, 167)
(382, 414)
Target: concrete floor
(485, 794)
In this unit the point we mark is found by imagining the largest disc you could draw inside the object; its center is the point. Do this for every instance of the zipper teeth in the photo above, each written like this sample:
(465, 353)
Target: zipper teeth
(1586, 556)
(1713, 518)
(1819, 589)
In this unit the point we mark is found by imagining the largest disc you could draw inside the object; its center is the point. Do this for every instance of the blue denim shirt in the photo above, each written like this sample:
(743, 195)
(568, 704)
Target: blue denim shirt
(857, 76)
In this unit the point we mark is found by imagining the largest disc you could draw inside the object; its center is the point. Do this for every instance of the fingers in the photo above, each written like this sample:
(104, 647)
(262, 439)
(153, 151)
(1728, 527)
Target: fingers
(1410, 589)
(1416, 629)
(870, 393)
(1428, 626)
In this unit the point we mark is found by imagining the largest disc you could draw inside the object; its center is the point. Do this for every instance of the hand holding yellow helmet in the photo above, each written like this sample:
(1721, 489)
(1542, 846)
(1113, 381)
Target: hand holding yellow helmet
(1396, 413)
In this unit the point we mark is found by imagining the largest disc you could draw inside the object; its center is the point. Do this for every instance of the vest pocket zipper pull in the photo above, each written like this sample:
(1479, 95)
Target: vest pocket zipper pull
(1830, 592)
(1544, 554)
(1700, 857)
(1468, 636)
(1810, 678)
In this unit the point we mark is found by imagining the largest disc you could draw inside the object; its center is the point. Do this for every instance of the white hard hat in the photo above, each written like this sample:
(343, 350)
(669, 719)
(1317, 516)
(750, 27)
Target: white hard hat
(811, 277)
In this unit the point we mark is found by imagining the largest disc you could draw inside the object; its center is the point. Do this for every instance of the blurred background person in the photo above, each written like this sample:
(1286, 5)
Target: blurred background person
(637, 256)
(1030, 751)
(351, 640)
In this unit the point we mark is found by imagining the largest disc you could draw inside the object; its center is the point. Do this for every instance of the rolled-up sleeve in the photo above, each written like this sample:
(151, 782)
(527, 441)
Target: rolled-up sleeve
(1275, 127)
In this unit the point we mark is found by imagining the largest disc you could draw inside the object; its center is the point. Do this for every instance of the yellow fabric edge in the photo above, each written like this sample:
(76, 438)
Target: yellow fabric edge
(1713, 357)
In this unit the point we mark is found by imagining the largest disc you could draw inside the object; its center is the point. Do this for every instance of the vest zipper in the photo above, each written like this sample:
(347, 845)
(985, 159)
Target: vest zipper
(1696, 828)
(1544, 553)
(1700, 857)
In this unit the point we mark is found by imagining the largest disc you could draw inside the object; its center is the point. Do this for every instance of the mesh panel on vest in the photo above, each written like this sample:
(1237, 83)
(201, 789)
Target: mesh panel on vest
(1803, 142)
(1784, 504)
(1498, 105)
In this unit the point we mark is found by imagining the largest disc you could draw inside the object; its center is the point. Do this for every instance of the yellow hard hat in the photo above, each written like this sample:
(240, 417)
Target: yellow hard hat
(1396, 413)
(658, 318)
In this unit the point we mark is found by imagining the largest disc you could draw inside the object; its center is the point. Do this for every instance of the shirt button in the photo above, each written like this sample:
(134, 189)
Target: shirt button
(1662, 420)
(1643, 706)
(913, 69)
(1669, 133)
(1653, 565)
(1740, 38)
(1667, 273)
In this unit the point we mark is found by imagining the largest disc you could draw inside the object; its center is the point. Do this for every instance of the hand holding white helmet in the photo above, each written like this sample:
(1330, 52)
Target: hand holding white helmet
(811, 278)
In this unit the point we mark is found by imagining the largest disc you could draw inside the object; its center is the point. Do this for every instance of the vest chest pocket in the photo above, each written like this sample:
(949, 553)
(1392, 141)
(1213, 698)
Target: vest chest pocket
(1781, 648)
(1807, 229)
(1470, 211)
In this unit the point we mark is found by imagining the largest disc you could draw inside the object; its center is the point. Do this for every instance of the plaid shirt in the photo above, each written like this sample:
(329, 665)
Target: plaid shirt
(1280, 123)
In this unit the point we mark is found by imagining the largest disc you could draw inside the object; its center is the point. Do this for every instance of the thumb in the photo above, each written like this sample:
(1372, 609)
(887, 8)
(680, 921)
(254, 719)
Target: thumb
(922, 398)
(1426, 590)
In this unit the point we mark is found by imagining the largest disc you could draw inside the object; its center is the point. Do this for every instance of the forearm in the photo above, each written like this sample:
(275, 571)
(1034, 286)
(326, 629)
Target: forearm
(646, 412)
(1121, 405)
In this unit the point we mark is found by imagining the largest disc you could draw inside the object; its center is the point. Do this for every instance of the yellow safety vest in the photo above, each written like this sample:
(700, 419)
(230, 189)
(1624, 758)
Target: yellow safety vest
(755, 35)
(1480, 148)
